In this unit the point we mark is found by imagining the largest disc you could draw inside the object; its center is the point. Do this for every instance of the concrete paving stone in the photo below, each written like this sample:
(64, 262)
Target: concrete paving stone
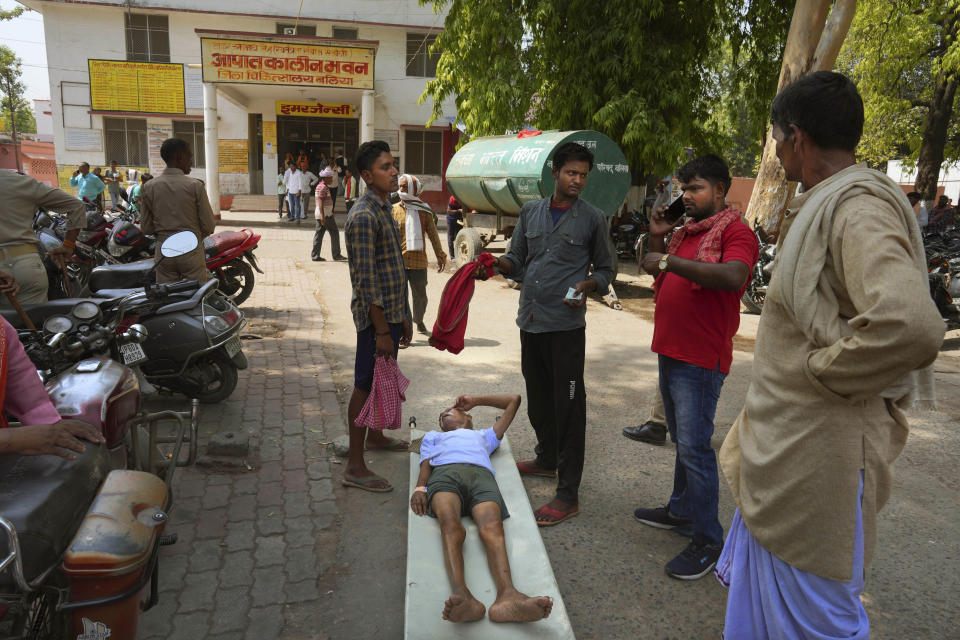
(158, 621)
(274, 391)
(185, 510)
(321, 489)
(301, 564)
(264, 622)
(268, 583)
(270, 453)
(237, 569)
(294, 426)
(318, 470)
(296, 504)
(216, 496)
(269, 551)
(303, 523)
(198, 591)
(211, 524)
(298, 538)
(191, 625)
(270, 472)
(206, 555)
(245, 484)
(304, 591)
(323, 521)
(270, 494)
(189, 483)
(295, 480)
(242, 508)
(172, 569)
(270, 520)
(230, 611)
(240, 536)
(186, 532)
(292, 445)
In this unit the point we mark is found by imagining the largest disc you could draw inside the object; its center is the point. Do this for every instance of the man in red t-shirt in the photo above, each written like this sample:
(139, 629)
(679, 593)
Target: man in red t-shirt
(699, 280)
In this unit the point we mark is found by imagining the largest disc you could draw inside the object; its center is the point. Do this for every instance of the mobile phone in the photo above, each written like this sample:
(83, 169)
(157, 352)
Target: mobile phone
(675, 211)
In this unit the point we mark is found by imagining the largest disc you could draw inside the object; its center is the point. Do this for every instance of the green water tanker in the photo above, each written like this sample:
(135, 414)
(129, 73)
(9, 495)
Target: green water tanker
(494, 177)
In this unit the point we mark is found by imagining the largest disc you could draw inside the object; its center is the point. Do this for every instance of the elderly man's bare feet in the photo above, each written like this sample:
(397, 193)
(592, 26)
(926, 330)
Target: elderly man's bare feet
(514, 606)
(458, 608)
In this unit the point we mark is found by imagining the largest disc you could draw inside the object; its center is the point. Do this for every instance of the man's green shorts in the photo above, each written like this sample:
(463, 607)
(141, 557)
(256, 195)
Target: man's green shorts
(472, 483)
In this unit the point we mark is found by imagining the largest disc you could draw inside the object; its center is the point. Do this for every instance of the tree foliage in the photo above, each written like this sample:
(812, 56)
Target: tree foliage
(10, 14)
(11, 89)
(898, 52)
(644, 72)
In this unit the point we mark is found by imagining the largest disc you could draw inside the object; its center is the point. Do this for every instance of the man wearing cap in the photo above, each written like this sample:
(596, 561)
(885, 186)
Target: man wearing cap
(326, 223)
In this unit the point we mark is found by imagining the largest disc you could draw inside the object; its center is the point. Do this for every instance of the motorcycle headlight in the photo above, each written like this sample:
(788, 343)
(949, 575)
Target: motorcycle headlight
(218, 324)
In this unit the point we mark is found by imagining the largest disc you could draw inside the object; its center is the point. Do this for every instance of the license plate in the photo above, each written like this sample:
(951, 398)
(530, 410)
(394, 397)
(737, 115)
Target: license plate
(132, 353)
(232, 346)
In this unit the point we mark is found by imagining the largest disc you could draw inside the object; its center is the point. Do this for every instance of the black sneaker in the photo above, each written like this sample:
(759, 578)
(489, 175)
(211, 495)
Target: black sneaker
(661, 518)
(694, 562)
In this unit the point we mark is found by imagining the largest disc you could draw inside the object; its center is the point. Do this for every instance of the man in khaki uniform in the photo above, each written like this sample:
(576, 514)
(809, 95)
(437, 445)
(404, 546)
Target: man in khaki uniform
(845, 341)
(174, 202)
(19, 250)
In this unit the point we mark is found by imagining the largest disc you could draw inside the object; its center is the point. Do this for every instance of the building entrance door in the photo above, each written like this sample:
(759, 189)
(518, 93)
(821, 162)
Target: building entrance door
(318, 137)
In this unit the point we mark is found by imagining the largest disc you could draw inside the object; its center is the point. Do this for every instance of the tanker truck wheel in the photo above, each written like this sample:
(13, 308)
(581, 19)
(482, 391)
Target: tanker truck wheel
(513, 284)
(467, 246)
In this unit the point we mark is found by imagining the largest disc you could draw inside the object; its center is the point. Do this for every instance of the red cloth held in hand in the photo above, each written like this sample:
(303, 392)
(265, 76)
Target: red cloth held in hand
(451, 321)
(382, 408)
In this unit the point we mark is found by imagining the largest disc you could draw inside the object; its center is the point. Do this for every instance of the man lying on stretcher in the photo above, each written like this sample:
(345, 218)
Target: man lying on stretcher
(456, 479)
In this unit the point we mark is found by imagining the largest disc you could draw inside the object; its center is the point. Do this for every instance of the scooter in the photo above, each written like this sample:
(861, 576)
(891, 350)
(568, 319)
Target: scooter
(193, 344)
(225, 253)
(80, 541)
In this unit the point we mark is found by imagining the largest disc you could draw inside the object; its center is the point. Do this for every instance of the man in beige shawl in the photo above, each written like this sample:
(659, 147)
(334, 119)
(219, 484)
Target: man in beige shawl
(846, 337)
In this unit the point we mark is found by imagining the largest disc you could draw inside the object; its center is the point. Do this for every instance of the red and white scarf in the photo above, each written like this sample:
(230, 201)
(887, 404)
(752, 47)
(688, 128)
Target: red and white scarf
(710, 248)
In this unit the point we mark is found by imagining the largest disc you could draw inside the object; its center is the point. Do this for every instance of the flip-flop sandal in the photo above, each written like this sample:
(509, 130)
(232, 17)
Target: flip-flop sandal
(526, 468)
(558, 516)
(365, 484)
(396, 445)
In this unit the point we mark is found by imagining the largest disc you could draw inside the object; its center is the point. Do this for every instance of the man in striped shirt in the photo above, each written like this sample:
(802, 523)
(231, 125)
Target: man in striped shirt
(379, 303)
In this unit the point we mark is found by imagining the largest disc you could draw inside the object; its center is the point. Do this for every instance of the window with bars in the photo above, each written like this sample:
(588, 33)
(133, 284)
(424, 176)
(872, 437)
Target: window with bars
(344, 33)
(126, 141)
(423, 150)
(420, 62)
(192, 132)
(296, 30)
(148, 37)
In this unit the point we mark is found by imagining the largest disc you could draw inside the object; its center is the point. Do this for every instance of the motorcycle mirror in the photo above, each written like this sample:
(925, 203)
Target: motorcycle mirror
(179, 244)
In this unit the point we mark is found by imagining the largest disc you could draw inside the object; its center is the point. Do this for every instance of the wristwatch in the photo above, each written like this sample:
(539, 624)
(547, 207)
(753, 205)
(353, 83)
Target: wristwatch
(663, 262)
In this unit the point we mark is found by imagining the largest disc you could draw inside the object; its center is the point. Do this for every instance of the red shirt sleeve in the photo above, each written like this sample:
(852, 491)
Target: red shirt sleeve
(740, 243)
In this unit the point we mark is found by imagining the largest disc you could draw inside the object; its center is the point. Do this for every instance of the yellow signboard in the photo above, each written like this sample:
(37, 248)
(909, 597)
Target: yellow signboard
(302, 65)
(318, 109)
(269, 136)
(233, 156)
(142, 87)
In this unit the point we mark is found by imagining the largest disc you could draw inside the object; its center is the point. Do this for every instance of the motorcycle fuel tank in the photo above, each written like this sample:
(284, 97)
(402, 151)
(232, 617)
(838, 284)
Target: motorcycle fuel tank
(100, 391)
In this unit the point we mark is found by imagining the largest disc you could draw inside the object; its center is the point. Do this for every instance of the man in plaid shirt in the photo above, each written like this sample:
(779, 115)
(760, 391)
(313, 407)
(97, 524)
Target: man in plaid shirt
(379, 304)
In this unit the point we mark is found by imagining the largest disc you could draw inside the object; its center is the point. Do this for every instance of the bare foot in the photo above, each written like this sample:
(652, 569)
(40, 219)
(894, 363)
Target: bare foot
(363, 478)
(517, 607)
(460, 609)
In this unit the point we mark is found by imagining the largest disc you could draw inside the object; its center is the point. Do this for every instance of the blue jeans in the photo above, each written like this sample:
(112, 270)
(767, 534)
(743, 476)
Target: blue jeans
(690, 395)
(293, 203)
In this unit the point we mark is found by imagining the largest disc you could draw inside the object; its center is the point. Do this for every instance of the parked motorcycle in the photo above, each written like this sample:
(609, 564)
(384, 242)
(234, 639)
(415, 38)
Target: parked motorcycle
(225, 253)
(193, 345)
(626, 234)
(756, 291)
(80, 538)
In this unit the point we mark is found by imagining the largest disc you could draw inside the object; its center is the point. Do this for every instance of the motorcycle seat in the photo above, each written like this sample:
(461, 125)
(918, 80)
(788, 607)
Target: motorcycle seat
(122, 276)
(46, 498)
(228, 239)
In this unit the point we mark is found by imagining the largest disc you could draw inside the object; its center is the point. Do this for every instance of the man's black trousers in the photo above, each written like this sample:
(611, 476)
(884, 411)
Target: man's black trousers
(552, 365)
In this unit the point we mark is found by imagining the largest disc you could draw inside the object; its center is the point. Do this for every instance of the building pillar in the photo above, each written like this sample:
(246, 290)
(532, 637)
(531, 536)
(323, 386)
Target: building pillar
(366, 117)
(210, 146)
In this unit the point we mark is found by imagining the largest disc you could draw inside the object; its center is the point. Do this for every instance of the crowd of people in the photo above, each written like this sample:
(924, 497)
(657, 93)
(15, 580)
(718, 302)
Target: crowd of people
(845, 343)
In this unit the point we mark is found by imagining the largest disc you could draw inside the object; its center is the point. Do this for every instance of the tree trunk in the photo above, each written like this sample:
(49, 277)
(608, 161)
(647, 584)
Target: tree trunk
(930, 157)
(812, 44)
(13, 124)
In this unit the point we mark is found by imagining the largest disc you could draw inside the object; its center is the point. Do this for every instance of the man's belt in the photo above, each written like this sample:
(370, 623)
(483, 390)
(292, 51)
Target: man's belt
(17, 250)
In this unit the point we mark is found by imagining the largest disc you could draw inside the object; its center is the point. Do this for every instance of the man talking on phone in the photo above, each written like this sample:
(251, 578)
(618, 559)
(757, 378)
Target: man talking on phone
(555, 242)
(700, 277)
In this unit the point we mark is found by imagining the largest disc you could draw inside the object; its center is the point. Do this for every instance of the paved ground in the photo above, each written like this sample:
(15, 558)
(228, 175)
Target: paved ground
(283, 551)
